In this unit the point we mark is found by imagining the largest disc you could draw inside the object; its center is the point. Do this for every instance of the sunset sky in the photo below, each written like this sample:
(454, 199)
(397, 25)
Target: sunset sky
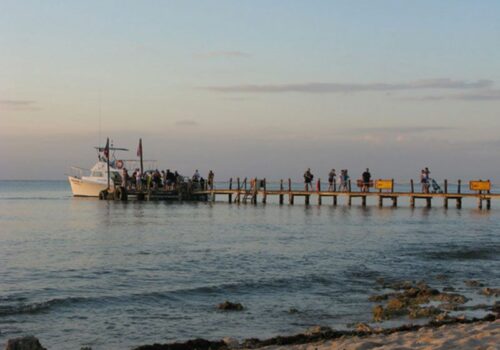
(252, 88)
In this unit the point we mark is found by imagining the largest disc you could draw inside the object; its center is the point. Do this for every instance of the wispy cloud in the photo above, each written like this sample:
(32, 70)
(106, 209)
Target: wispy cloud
(18, 105)
(481, 95)
(401, 130)
(186, 122)
(227, 54)
(322, 87)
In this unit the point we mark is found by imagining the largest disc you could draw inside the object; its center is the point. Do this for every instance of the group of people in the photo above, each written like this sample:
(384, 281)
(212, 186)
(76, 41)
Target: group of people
(150, 179)
(366, 181)
(156, 179)
(343, 180)
(197, 179)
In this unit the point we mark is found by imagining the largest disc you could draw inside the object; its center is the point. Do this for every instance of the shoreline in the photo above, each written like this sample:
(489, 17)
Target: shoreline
(458, 329)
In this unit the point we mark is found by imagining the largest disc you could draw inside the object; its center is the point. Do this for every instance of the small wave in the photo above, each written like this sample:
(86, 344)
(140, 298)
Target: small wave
(479, 253)
(37, 307)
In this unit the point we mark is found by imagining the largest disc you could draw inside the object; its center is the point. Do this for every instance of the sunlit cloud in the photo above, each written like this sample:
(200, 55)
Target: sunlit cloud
(322, 87)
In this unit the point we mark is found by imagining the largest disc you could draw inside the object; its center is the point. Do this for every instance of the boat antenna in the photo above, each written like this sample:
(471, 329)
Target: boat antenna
(100, 116)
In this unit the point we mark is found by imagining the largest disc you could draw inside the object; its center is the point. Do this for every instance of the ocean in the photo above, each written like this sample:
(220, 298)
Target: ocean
(113, 275)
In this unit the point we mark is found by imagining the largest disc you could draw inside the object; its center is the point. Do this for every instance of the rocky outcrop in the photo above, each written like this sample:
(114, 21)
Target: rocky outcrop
(24, 343)
(408, 299)
(229, 306)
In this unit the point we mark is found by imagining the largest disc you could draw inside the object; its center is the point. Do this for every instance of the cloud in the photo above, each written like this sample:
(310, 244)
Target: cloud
(401, 130)
(186, 122)
(227, 54)
(482, 95)
(321, 87)
(18, 105)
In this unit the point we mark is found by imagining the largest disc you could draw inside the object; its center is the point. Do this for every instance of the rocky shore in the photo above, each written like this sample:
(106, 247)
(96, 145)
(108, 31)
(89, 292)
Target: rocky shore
(445, 329)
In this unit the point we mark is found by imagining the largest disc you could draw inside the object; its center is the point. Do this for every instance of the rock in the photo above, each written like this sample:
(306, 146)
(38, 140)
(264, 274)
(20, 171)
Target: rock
(363, 327)
(402, 285)
(448, 307)
(378, 313)
(491, 292)
(378, 298)
(448, 289)
(229, 306)
(231, 342)
(473, 283)
(395, 305)
(441, 317)
(419, 312)
(451, 298)
(316, 330)
(293, 310)
(24, 343)
(496, 307)
(198, 344)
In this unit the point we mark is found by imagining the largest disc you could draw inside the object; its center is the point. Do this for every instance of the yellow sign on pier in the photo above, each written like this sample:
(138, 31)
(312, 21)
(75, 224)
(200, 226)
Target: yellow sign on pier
(384, 184)
(480, 185)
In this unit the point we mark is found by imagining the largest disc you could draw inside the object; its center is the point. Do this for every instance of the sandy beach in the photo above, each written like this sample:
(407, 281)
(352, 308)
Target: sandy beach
(480, 335)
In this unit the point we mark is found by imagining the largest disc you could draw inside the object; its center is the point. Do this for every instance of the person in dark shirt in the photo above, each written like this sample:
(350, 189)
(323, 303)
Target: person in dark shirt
(366, 180)
(331, 180)
(308, 178)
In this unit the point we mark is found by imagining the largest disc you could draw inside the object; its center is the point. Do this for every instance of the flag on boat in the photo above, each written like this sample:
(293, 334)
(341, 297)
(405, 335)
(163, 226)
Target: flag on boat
(106, 149)
(139, 149)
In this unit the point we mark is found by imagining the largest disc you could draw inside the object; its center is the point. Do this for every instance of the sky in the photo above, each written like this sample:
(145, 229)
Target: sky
(252, 88)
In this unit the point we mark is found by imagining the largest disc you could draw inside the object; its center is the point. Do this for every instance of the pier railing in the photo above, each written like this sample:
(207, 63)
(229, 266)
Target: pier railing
(256, 190)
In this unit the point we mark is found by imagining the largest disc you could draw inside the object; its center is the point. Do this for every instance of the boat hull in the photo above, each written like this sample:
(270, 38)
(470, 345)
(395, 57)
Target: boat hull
(85, 188)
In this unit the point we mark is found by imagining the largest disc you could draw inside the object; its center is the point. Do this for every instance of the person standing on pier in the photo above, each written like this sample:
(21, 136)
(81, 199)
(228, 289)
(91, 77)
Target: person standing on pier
(344, 181)
(308, 178)
(331, 179)
(211, 176)
(366, 180)
(424, 180)
(125, 178)
(196, 176)
(138, 180)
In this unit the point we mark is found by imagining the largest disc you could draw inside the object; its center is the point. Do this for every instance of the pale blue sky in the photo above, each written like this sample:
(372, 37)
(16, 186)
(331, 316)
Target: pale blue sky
(253, 88)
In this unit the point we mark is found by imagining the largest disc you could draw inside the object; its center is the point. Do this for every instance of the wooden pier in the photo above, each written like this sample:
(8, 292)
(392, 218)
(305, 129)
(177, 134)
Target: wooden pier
(383, 190)
(259, 190)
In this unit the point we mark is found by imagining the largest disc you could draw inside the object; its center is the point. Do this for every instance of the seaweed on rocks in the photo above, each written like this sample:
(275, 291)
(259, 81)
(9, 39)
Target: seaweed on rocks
(491, 292)
(196, 344)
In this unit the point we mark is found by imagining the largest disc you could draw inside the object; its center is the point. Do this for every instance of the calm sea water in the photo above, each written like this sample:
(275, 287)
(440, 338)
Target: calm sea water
(113, 275)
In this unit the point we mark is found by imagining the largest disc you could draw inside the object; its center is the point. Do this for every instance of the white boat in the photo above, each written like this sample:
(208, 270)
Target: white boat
(97, 179)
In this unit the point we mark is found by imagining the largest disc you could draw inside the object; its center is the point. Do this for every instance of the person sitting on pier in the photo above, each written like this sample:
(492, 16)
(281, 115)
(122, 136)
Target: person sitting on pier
(196, 176)
(331, 179)
(308, 178)
(366, 180)
(211, 176)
